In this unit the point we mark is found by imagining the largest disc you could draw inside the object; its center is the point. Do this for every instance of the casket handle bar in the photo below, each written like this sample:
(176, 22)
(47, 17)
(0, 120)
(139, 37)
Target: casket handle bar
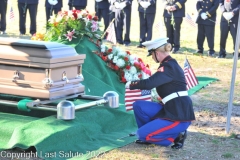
(15, 76)
(79, 74)
(48, 82)
(64, 77)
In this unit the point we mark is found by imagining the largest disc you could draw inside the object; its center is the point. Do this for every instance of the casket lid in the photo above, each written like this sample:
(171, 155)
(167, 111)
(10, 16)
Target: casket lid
(38, 53)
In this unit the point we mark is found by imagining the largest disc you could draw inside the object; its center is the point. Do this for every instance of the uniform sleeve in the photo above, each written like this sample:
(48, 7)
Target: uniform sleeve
(236, 10)
(162, 76)
(179, 4)
(152, 1)
(213, 9)
(128, 2)
(199, 6)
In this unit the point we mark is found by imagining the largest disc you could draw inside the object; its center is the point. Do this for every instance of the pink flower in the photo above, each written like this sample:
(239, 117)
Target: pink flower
(69, 35)
(94, 26)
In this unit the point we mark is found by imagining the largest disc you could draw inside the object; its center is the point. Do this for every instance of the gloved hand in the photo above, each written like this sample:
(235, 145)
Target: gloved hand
(98, 0)
(127, 85)
(122, 5)
(117, 5)
(204, 16)
(145, 4)
(52, 2)
(228, 15)
(222, 9)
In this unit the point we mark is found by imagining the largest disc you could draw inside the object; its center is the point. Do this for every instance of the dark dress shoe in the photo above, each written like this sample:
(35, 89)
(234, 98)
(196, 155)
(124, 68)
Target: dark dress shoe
(140, 46)
(199, 52)
(179, 141)
(222, 55)
(211, 53)
(142, 142)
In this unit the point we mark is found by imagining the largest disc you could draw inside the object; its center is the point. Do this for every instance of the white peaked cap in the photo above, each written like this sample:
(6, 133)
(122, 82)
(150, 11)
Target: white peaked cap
(154, 44)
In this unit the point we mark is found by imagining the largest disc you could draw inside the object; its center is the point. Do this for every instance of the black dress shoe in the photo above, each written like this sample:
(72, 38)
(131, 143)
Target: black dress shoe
(222, 55)
(140, 46)
(179, 141)
(142, 142)
(199, 52)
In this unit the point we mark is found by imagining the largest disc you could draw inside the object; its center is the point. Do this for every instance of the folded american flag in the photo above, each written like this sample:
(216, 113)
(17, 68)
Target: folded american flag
(132, 95)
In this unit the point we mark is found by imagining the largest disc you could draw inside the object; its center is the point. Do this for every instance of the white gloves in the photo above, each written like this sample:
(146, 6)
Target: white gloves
(52, 2)
(98, 0)
(145, 4)
(127, 85)
(122, 5)
(228, 15)
(204, 16)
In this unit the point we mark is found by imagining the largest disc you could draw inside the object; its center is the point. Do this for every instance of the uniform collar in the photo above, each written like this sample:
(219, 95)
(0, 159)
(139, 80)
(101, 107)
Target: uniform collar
(166, 59)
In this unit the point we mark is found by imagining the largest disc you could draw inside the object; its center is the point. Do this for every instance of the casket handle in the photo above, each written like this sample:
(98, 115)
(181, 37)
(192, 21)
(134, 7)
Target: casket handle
(15, 76)
(79, 74)
(48, 82)
(64, 77)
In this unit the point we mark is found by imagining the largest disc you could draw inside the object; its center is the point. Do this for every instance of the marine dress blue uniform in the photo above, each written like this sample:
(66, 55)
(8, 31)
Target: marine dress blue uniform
(123, 21)
(206, 28)
(158, 123)
(31, 6)
(77, 4)
(102, 11)
(227, 26)
(146, 17)
(52, 8)
(173, 27)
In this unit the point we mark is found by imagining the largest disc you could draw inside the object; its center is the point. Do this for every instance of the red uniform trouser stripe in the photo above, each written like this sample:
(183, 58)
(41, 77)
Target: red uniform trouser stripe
(148, 138)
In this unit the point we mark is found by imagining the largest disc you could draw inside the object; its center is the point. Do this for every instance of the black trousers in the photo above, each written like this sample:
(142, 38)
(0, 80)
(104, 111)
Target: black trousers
(103, 13)
(225, 28)
(206, 31)
(32, 8)
(3, 11)
(123, 21)
(146, 24)
(49, 12)
(173, 30)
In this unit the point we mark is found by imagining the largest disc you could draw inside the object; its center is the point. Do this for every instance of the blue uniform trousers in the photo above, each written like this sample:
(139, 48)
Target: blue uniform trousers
(146, 24)
(157, 131)
(206, 31)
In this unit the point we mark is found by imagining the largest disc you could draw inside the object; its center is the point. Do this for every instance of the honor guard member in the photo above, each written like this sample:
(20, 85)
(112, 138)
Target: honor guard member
(166, 123)
(77, 4)
(123, 20)
(229, 22)
(3, 11)
(206, 24)
(31, 6)
(174, 11)
(147, 12)
(102, 11)
(52, 6)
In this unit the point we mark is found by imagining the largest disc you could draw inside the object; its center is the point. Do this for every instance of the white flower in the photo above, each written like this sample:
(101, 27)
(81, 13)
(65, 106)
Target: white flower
(122, 53)
(103, 48)
(135, 77)
(110, 56)
(120, 63)
(79, 15)
(128, 76)
(144, 75)
(52, 2)
(59, 18)
(133, 70)
(115, 58)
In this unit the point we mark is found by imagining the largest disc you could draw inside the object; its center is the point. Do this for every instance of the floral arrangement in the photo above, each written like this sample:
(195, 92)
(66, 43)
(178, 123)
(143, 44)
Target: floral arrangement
(72, 24)
(128, 66)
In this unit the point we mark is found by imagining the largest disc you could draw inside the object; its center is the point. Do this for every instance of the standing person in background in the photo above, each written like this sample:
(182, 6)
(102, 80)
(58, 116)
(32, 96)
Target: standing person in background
(174, 11)
(3, 11)
(123, 20)
(31, 6)
(112, 10)
(147, 12)
(206, 24)
(52, 6)
(77, 4)
(229, 22)
(102, 11)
